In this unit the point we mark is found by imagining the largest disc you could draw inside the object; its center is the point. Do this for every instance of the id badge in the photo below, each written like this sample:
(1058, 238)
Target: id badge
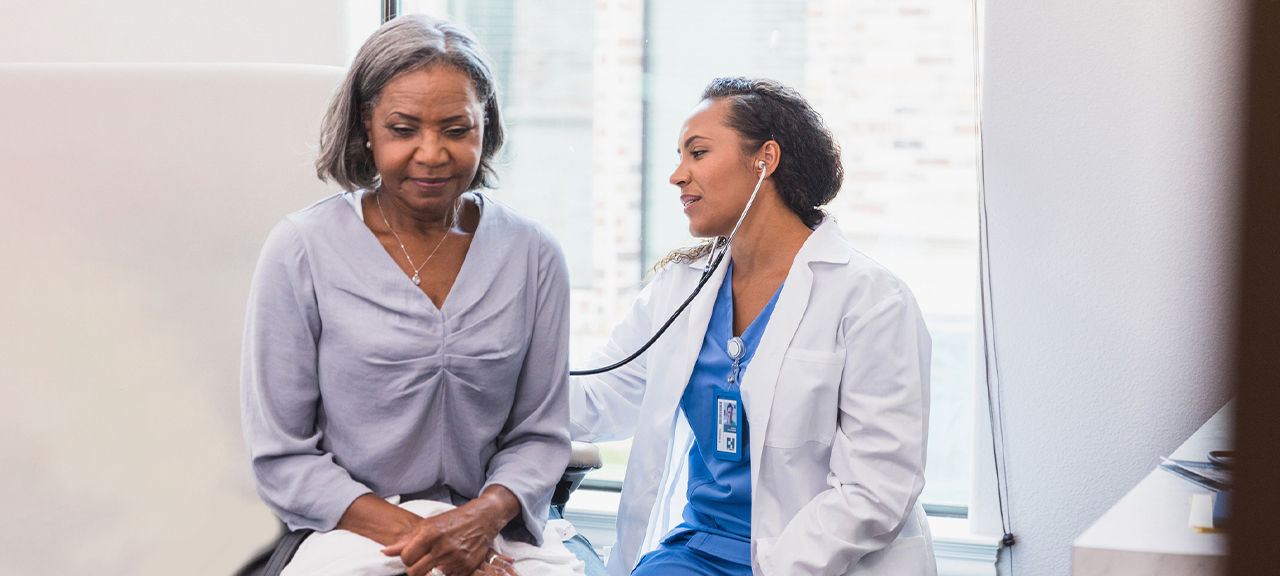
(729, 425)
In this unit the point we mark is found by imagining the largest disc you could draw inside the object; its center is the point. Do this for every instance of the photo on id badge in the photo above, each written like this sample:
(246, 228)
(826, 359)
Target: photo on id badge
(727, 429)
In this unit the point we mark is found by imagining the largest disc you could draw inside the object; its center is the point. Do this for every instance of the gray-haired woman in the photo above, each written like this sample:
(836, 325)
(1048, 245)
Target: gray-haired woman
(405, 349)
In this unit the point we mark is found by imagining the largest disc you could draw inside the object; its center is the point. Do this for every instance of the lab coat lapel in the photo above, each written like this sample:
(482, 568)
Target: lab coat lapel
(690, 331)
(760, 382)
(681, 354)
(761, 377)
(654, 466)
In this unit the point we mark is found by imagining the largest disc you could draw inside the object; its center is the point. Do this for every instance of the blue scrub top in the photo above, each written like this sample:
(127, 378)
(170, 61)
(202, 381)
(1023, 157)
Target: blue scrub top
(717, 519)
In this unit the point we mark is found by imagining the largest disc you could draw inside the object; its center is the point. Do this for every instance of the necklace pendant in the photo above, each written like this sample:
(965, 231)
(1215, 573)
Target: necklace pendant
(417, 280)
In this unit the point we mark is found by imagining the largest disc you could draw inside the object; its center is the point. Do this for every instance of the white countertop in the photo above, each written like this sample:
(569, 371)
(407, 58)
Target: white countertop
(1147, 531)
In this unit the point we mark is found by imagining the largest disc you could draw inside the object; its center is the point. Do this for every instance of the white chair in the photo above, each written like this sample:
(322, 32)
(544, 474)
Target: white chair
(135, 200)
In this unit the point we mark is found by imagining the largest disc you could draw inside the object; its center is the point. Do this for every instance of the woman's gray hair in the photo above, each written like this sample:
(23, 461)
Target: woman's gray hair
(405, 44)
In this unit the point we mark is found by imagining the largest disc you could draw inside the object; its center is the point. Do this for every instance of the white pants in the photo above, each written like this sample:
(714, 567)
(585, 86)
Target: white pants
(343, 553)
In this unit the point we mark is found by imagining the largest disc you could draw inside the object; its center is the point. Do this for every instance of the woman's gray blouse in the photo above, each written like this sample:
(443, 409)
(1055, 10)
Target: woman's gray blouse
(352, 381)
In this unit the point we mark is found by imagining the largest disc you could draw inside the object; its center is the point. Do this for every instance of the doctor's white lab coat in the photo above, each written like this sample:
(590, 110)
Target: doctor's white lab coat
(837, 395)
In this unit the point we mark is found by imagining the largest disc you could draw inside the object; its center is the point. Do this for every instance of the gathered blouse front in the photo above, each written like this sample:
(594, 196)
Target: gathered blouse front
(354, 382)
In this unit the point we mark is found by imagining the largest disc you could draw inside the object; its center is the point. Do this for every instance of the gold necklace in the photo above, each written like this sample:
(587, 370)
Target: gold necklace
(417, 280)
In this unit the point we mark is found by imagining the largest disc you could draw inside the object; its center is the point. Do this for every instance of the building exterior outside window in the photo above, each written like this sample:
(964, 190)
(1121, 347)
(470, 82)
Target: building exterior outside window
(594, 94)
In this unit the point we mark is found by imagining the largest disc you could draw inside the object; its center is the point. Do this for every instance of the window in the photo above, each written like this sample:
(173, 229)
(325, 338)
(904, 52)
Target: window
(594, 93)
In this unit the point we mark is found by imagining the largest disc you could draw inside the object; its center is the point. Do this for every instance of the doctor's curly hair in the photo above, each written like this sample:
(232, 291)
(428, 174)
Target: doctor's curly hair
(809, 172)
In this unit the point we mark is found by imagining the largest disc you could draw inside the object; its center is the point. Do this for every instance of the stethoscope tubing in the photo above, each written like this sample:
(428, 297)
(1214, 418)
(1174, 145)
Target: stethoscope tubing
(713, 262)
(706, 275)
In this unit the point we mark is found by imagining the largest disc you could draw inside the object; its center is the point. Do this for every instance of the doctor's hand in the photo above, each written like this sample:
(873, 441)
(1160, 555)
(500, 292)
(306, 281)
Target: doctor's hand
(457, 541)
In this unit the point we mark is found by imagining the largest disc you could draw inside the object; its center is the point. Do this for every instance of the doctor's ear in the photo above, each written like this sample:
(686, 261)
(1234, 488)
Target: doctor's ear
(770, 154)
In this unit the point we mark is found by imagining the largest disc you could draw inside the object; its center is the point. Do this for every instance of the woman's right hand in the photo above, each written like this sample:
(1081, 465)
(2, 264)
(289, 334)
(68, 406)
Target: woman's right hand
(456, 541)
(388, 524)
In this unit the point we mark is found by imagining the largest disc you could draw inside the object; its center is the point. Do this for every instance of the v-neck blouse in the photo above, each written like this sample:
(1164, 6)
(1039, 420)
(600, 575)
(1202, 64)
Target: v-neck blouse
(354, 382)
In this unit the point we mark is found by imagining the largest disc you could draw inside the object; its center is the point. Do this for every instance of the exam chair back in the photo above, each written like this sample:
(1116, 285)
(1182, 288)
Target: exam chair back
(135, 200)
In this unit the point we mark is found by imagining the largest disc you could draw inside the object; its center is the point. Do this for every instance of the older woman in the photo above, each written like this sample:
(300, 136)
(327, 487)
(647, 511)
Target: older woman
(406, 342)
(780, 429)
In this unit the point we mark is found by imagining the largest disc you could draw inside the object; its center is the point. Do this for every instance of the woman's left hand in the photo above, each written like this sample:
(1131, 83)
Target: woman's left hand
(458, 541)
(497, 565)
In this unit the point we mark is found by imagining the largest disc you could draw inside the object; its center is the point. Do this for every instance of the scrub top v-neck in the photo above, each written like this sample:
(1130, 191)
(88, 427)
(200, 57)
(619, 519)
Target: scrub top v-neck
(717, 519)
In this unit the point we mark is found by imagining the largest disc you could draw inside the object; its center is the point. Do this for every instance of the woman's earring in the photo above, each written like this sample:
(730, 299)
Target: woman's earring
(368, 144)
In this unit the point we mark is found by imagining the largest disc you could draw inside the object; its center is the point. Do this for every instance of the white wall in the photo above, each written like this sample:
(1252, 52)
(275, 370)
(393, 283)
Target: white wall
(280, 31)
(1110, 131)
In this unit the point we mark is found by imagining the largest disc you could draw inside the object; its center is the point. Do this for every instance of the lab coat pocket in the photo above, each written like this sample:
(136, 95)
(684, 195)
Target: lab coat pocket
(805, 400)
(902, 557)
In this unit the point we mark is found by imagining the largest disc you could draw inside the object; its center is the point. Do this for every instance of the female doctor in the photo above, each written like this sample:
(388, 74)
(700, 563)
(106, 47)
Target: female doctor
(780, 428)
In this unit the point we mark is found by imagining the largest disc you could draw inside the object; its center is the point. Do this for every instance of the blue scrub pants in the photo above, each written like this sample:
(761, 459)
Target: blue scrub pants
(676, 558)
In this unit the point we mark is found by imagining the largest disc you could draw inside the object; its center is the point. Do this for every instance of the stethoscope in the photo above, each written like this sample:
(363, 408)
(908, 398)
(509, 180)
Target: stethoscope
(718, 250)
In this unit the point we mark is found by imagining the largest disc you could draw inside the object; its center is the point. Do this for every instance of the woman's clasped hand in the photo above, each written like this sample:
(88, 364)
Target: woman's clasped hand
(458, 541)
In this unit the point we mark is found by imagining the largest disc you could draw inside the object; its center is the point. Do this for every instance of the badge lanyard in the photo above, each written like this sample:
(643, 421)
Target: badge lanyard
(729, 425)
